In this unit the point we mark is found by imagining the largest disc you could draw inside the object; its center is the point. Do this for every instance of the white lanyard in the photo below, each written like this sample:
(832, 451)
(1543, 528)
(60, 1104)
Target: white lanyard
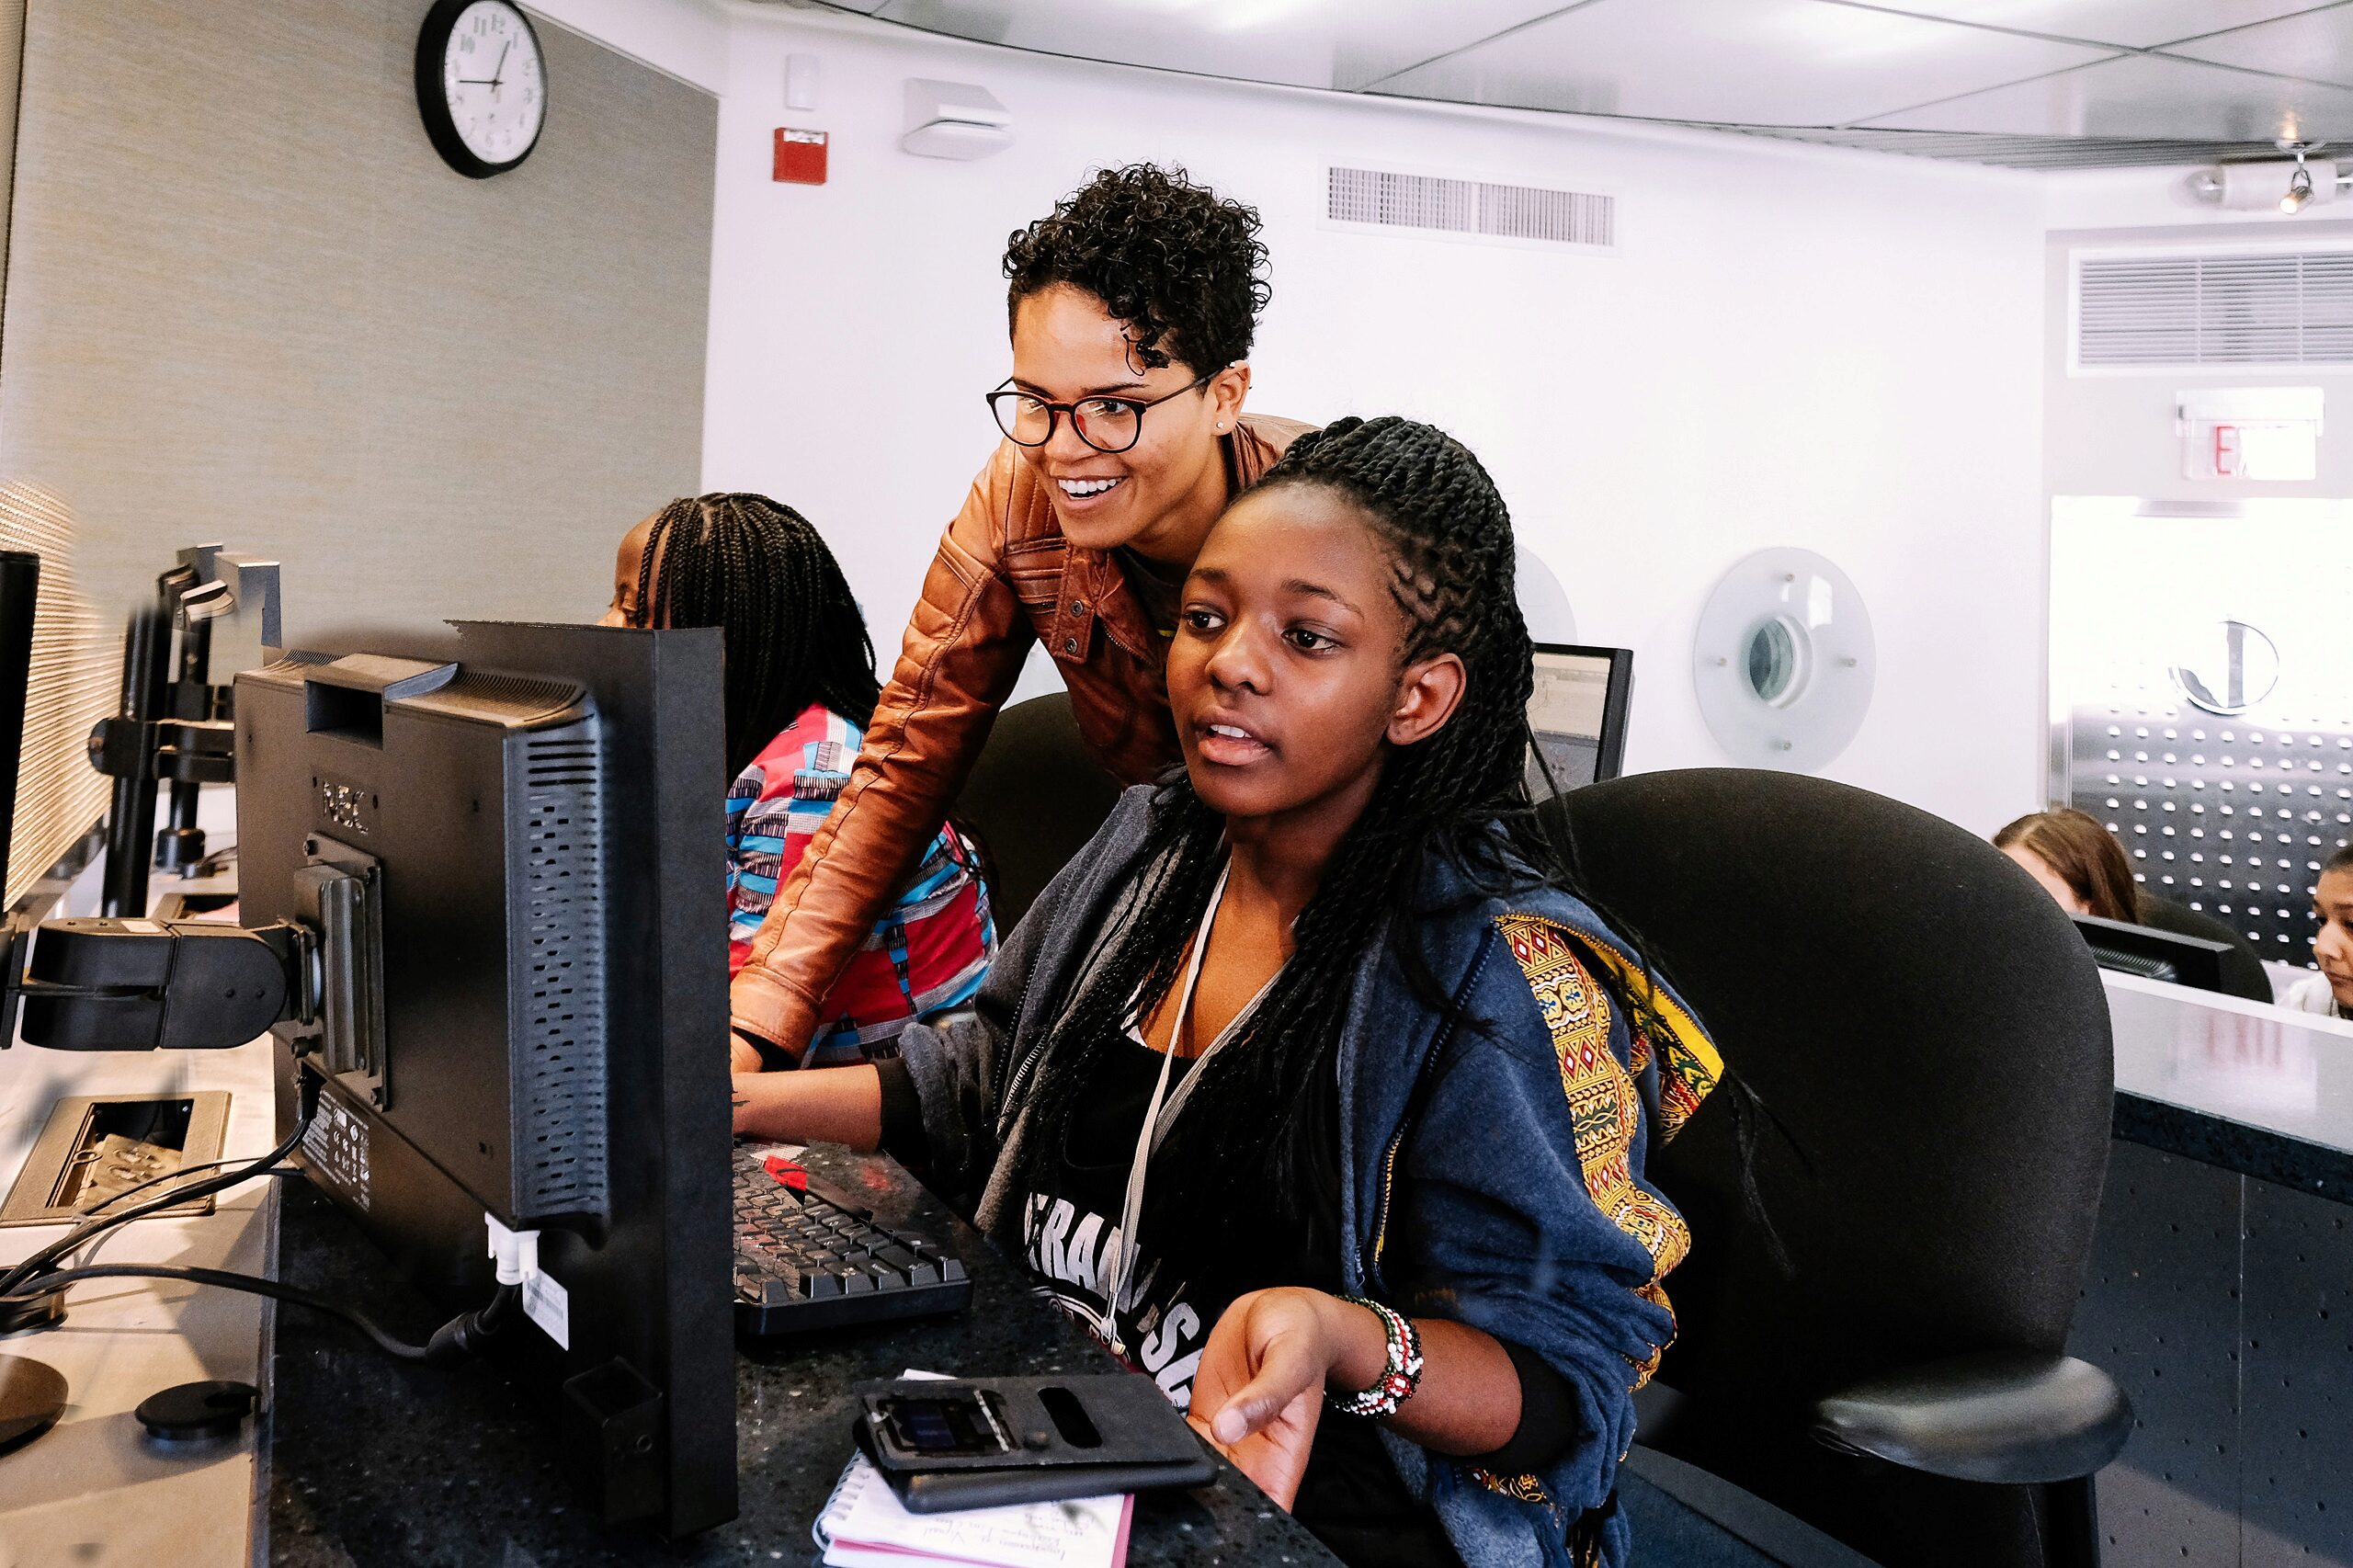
(1157, 1118)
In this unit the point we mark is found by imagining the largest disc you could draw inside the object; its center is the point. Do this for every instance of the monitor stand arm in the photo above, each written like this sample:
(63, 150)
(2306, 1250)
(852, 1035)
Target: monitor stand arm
(110, 985)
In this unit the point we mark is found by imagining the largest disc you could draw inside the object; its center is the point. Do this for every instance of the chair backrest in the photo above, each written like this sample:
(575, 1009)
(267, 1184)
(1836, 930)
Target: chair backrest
(1927, 1040)
(1033, 799)
(2242, 972)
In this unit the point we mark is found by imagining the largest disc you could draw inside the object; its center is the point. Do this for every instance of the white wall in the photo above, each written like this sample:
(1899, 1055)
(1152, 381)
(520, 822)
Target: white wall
(1797, 347)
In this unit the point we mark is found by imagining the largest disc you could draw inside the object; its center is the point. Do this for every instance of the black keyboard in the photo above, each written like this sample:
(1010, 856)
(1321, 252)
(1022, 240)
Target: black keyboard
(811, 1259)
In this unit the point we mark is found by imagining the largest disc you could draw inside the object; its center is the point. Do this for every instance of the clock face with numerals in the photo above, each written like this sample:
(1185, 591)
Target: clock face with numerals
(480, 84)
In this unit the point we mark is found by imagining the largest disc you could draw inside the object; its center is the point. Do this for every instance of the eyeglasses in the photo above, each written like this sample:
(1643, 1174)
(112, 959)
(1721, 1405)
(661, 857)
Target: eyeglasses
(1105, 423)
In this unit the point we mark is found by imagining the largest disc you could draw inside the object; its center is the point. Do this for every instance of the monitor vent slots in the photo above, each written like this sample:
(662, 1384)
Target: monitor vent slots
(519, 698)
(561, 1120)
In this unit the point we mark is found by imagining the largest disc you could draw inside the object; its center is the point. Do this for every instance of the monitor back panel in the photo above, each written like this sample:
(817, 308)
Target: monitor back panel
(474, 817)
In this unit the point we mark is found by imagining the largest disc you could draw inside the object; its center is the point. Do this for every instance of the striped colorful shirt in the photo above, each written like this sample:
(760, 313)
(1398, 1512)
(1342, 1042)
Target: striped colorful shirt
(925, 955)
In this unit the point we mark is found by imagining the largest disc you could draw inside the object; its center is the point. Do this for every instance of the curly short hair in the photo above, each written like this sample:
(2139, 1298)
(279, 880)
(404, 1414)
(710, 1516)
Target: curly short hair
(1181, 265)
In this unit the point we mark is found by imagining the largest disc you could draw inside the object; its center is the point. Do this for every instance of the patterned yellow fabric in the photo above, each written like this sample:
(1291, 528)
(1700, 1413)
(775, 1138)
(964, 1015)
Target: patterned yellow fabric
(1689, 1067)
(1518, 1488)
(1605, 1109)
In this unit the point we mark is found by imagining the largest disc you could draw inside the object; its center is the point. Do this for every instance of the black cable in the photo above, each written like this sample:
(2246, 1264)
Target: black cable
(212, 863)
(33, 1267)
(64, 1279)
(461, 1337)
(185, 1171)
(111, 1200)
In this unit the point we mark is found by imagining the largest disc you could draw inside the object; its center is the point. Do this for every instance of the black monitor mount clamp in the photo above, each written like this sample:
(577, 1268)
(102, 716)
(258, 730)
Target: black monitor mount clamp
(109, 983)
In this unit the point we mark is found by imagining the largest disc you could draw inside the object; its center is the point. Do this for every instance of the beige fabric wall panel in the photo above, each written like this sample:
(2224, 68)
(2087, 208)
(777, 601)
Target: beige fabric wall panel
(12, 51)
(247, 300)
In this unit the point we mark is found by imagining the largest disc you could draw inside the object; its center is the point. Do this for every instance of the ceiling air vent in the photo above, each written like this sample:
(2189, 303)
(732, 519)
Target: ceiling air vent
(2138, 311)
(1470, 209)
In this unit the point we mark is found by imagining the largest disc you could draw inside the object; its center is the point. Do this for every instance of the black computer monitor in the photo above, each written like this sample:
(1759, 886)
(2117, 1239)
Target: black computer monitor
(511, 840)
(1577, 712)
(2154, 955)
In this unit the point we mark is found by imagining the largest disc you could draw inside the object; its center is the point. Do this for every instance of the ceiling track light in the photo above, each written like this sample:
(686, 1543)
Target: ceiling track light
(2299, 184)
(2256, 187)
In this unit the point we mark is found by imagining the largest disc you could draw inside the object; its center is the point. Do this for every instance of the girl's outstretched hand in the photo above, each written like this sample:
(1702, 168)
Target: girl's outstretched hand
(1259, 1388)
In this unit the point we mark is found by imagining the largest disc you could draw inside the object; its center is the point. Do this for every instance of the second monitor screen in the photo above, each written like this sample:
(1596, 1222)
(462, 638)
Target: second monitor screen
(1568, 711)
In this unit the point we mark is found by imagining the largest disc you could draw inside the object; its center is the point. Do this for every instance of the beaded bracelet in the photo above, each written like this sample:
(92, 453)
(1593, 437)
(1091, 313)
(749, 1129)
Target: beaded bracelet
(1400, 1375)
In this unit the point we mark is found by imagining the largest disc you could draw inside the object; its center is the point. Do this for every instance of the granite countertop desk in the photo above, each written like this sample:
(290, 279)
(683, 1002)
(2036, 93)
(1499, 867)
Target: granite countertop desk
(372, 1462)
(2238, 1085)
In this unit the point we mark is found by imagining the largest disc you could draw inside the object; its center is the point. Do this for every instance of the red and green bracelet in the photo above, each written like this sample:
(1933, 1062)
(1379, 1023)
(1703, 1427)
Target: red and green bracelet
(1400, 1375)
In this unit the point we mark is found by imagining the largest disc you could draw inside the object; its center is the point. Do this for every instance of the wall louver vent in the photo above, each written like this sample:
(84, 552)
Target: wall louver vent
(1470, 208)
(2165, 312)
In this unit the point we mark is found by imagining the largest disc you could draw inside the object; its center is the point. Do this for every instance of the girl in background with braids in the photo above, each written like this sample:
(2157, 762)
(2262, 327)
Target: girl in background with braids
(799, 689)
(1311, 1088)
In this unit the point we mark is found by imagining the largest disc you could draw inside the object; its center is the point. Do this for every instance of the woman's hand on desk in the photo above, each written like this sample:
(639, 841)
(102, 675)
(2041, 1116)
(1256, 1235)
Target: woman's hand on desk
(821, 1105)
(1260, 1390)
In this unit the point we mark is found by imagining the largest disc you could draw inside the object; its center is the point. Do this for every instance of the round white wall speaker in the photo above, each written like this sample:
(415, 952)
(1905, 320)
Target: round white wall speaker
(1783, 660)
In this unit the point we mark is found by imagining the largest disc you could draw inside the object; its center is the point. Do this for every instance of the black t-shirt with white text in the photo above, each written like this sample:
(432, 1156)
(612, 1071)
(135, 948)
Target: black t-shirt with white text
(1350, 1496)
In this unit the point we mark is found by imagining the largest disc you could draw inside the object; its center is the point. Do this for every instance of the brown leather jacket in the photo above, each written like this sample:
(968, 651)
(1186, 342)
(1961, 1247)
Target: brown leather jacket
(1003, 575)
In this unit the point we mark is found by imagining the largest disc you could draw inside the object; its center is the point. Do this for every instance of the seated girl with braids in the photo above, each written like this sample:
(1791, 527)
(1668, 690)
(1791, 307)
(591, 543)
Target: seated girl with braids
(800, 688)
(1387, 1235)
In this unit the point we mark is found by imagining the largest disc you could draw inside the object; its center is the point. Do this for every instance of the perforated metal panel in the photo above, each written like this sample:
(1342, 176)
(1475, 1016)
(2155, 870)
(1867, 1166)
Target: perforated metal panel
(2296, 1390)
(2160, 1315)
(2223, 1306)
(2202, 700)
(561, 1132)
(2229, 817)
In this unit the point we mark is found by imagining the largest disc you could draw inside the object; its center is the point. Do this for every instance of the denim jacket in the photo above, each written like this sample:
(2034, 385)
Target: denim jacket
(1492, 1173)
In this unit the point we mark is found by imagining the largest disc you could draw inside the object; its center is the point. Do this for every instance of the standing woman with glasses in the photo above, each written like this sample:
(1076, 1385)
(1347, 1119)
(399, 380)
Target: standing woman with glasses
(1131, 309)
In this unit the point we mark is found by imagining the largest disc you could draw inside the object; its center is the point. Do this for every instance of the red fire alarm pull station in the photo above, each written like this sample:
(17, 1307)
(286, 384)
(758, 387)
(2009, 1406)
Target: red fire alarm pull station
(800, 156)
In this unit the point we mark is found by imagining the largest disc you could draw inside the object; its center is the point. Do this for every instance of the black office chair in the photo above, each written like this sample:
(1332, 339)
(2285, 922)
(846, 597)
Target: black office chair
(2242, 972)
(1034, 798)
(1925, 1042)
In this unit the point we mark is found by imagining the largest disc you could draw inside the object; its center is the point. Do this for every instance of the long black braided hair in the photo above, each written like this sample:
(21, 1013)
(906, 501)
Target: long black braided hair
(760, 572)
(1461, 795)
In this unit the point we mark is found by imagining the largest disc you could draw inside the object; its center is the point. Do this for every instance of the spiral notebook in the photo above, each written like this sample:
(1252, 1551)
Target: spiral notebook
(863, 1526)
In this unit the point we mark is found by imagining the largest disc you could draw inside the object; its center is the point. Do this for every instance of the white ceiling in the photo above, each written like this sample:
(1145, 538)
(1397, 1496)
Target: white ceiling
(2059, 81)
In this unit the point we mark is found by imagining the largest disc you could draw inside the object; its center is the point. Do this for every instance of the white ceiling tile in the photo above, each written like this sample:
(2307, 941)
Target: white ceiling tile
(2319, 46)
(1304, 43)
(2135, 24)
(2146, 95)
(1756, 62)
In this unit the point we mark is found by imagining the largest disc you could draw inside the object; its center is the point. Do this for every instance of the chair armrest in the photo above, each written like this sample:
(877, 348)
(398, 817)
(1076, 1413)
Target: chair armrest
(2011, 1417)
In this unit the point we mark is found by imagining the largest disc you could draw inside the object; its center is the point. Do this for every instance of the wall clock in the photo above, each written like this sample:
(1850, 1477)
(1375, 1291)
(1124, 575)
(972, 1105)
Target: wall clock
(480, 84)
